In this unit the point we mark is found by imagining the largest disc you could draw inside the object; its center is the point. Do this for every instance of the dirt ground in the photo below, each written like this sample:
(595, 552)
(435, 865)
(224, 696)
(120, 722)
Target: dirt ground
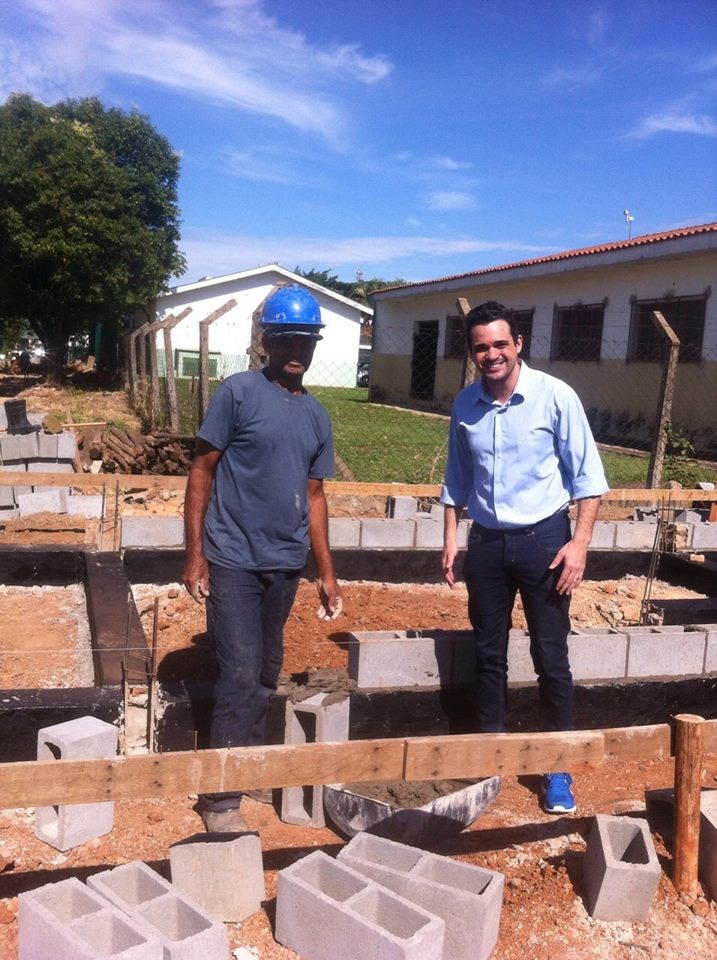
(544, 915)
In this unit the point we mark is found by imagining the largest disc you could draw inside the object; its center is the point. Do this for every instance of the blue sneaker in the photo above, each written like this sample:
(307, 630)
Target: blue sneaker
(557, 795)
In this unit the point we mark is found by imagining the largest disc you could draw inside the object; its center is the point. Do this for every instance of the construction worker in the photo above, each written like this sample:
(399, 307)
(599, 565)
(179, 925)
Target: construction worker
(520, 449)
(255, 503)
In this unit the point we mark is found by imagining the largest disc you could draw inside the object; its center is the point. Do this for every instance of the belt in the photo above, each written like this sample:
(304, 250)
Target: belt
(502, 531)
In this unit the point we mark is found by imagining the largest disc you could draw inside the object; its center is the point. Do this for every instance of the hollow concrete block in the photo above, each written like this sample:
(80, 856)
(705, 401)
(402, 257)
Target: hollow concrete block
(47, 446)
(711, 647)
(318, 719)
(50, 466)
(344, 531)
(665, 651)
(85, 505)
(704, 536)
(67, 921)
(429, 534)
(603, 536)
(620, 869)
(352, 917)
(10, 450)
(708, 841)
(634, 535)
(70, 824)
(597, 655)
(152, 532)
(202, 863)
(28, 446)
(388, 533)
(66, 445)
(185, 930)
(520, 663)
(48, 500)
(397, 658)
(468, 899)
(402, 508)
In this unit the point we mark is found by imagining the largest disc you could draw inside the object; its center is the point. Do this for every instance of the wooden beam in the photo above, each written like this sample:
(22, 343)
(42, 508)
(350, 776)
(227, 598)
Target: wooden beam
(124, 481)
(41, 783)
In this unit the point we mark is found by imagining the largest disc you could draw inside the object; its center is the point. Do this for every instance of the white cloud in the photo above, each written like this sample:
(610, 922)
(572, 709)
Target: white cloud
(261, 168)
(448, 163)
(213, 253)
(222, 51)
(566, 77)
(446, 200)
(675, 119)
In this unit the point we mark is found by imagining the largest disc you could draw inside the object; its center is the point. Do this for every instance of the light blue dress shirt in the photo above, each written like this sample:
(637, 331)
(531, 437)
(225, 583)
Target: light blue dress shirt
(513, 464)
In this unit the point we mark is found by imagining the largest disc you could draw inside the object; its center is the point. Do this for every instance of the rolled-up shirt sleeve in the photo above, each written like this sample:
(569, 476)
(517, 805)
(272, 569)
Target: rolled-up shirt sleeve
(459, 468)
(579, 457)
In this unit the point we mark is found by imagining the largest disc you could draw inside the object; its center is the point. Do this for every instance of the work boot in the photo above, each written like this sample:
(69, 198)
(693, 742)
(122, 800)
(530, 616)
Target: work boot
(224, 821)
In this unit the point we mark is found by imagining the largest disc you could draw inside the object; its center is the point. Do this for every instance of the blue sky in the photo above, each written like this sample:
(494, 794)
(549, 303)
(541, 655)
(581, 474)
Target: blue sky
(402, 139)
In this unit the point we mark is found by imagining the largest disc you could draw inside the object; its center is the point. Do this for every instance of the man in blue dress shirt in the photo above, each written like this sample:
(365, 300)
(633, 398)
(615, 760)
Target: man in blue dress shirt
(520, 449)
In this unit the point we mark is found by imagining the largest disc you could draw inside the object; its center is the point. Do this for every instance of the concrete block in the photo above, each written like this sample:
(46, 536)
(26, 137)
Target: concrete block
(604, 533)
(688, 516)
(66, 921)
(620, 869)
(710, 648)
(67, 825)
(28, 446)
(185, 930)
(402, 508)
(8, 513)
(634, 535)
(66, 445)
(351, 916)
(10, 449)
(344, 531)
(388, 533)
(708, 841)
(429, 534)
(7, 496)
(85, 505)
(152, 532)
(665, 652)
(45, 500)
(704, 536)
(202, 864)
(437, 512)
(50, 466)
(464, 528)
(47, 446)
(468, 899)
(398, 658)
(520, 663)
(600, 654)
(318, 719)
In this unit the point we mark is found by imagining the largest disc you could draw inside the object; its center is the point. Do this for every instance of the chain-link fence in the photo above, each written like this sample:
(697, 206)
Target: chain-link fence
(390, 398)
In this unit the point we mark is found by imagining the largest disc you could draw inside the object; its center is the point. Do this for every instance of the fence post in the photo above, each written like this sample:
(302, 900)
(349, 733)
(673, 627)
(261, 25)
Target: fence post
(168, 324)
(689, 757)
(204, 354)
(154, 401)
(468, 370)
(667, 390)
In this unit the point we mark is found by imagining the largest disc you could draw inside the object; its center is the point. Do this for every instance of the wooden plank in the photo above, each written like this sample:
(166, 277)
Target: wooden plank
(497, 754)
(652, 742)
(124, 481)
(43, 783)
(383, 489)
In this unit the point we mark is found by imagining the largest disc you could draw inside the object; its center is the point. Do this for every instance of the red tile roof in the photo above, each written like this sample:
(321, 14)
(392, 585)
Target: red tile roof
(645, 240)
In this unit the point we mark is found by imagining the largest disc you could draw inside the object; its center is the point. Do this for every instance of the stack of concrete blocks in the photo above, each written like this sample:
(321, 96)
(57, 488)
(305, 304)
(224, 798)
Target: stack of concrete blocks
(468, 899)
(621, 871)
(35, 452)
(321, 718)
(185, 930)
(222, 872)
(325, 909)
(67, 825)
(66, 921)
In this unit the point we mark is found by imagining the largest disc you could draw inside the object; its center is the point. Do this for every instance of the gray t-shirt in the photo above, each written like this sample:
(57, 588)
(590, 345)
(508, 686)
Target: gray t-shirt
(272, 442)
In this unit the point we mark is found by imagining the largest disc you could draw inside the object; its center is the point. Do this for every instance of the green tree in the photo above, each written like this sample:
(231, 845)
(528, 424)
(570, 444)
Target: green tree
(89, 221)
(358, 290)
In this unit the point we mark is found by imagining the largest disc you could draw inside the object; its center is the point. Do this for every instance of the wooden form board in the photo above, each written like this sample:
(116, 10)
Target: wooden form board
(145, 481)
(42, 783)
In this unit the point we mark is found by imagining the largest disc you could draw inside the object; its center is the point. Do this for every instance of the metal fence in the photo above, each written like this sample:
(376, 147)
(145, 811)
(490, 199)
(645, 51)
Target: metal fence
(389, 403)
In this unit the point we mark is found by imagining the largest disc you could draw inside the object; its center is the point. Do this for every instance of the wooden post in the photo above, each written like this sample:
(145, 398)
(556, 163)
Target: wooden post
(168, 324)
(468, 370)
(203, 369)
(154, 399)
(689, 757)
(667, 390)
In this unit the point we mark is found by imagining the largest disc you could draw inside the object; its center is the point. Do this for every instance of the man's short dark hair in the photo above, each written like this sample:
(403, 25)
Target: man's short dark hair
(486, 313)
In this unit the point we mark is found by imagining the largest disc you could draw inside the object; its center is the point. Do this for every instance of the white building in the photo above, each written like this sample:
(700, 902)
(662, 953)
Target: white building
(336, 357)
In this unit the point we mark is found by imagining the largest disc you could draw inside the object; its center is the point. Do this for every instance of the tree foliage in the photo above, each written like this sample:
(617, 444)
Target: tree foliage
(358, 290)
(89, 221)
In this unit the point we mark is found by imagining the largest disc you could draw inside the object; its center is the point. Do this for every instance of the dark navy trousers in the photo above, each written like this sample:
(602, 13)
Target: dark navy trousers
(246, 614)
(498, 564)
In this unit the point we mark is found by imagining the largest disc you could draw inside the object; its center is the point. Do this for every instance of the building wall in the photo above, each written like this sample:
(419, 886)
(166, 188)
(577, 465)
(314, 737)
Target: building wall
(612, 388)
(336, 355)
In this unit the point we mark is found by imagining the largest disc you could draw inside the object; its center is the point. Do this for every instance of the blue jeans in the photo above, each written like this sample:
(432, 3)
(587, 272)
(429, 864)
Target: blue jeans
(246, 613)
(498, 564)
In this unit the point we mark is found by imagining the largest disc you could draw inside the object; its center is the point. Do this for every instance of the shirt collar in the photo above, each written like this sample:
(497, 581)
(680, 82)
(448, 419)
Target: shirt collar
(521, 390)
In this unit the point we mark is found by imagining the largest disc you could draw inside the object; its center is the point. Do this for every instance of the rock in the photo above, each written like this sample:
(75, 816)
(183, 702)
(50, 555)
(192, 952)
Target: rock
(6, 915)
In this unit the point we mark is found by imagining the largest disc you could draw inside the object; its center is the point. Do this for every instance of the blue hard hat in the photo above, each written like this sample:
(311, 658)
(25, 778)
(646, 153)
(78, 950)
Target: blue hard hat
(291, 308)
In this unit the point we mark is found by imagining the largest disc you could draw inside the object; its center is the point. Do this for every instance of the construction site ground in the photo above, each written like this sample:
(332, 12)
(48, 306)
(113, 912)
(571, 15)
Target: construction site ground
(544, 915)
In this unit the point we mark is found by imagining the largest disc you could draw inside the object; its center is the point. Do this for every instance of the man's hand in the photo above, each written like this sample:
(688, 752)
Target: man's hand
(573, 557)
(332, 602)
(450, 552)
(196, 577)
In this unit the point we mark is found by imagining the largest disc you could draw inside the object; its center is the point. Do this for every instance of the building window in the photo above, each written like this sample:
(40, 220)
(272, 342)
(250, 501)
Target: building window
(455, 345)
(186, 363)
(686, 316)
(577, 333)
(524, 323)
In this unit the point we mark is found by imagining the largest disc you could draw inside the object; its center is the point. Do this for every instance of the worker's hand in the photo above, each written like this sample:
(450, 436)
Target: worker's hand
(332, 602)
(196, 577)
(450, 552)
(573, 557)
